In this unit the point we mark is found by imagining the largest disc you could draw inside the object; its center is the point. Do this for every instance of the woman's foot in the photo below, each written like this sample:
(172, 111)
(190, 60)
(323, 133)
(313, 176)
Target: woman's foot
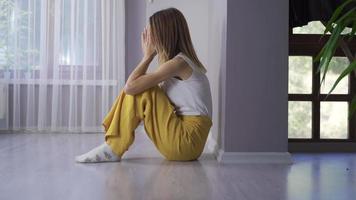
(101, 153)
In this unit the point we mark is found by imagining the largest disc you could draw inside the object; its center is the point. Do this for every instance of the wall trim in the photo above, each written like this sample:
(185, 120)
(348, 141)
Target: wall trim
(254, 157)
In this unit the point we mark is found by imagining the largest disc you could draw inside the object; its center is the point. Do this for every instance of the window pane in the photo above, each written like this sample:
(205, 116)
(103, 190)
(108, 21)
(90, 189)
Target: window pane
(299, 119)
(20, 23)
(315, 27)
(333, 120)
(337, 65)
(300, 74)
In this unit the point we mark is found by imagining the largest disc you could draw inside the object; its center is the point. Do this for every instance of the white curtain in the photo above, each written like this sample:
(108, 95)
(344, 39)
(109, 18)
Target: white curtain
(62, 63)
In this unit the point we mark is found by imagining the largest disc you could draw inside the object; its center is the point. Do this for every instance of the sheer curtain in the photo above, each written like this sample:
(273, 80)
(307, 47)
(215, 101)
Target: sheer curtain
(61, 63)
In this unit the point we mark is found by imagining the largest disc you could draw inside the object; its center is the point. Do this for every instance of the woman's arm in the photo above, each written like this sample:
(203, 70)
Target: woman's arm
(145, 81)
(140, 69)
(149, 53)
(138, 81)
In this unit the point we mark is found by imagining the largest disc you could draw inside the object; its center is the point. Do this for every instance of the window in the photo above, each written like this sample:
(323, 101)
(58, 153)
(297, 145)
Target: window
(20, 34)
(311, 117)
(314, 27)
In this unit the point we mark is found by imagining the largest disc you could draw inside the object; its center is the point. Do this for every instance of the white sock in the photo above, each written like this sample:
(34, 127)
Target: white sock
(101, 153)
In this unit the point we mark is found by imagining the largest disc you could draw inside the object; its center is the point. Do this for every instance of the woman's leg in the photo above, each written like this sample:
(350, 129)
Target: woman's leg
(161, 123)
(119, 123)
(176, 137)
(152, 106)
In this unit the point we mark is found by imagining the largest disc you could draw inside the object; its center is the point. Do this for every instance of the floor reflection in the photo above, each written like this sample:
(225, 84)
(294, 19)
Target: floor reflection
(42, 166)
(322, 176)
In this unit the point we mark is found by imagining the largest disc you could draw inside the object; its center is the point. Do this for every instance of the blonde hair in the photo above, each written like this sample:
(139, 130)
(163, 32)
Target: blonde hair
(170, 34)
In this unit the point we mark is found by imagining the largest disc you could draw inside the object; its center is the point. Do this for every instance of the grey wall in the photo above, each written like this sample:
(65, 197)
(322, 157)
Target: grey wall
(134, 24)
(256, 90)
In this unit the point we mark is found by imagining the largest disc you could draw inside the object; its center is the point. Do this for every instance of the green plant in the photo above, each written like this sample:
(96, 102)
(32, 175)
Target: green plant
(336, 24)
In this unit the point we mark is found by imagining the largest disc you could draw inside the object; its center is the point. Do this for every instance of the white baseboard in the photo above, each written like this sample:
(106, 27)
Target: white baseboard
(254, 157)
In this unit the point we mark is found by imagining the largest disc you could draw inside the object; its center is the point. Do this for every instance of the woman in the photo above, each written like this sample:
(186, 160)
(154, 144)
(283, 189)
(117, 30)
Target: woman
(174, 102)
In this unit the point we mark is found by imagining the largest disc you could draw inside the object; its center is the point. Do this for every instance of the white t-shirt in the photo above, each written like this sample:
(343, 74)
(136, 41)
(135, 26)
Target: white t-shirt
(191, 96)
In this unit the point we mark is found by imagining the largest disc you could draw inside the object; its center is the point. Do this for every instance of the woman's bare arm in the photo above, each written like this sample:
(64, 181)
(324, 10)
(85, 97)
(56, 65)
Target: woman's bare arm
(140, 69)
(148, 80)
(139, 80)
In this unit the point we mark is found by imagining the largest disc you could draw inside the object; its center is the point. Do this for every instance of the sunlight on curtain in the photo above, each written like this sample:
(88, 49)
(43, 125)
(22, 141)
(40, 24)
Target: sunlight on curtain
(61, 63)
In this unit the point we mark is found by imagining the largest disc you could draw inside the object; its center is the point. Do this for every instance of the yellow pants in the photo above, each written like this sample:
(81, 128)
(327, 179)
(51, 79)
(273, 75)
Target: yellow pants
(177, 137)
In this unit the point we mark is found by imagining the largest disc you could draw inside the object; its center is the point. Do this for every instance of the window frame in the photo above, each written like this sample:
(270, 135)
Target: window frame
(310, 45)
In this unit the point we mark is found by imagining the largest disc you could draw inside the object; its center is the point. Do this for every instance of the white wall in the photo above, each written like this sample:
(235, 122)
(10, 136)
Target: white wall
(217, 65)
(207, 21)
(196, 14)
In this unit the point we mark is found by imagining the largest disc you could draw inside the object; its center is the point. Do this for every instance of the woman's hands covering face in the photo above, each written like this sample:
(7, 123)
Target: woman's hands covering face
(148, 47)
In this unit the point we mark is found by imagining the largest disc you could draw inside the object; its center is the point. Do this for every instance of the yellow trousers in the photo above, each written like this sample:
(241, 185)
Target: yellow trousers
(177, 137)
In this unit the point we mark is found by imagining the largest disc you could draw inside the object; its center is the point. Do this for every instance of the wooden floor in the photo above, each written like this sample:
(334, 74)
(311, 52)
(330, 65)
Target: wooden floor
(42, 166)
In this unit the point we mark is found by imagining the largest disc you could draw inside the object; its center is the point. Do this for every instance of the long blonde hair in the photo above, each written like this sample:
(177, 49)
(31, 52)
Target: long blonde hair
(170, 34)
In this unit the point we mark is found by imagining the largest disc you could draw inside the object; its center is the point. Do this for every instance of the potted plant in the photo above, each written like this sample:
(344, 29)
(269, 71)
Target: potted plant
(336, 25)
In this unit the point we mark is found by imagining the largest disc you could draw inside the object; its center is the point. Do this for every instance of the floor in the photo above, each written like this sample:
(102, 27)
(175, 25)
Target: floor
(41, 166)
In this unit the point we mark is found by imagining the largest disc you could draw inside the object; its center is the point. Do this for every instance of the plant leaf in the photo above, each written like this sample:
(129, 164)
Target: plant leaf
(350, 12)
(347, 71)
(329, 44)
(353, 30)
(331, 47)
(317, 58)
(336, 15)
(328, 26)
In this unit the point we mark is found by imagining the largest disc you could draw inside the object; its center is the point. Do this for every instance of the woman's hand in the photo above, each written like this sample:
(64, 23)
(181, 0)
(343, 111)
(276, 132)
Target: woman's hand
(148, 47)
(149, 52)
